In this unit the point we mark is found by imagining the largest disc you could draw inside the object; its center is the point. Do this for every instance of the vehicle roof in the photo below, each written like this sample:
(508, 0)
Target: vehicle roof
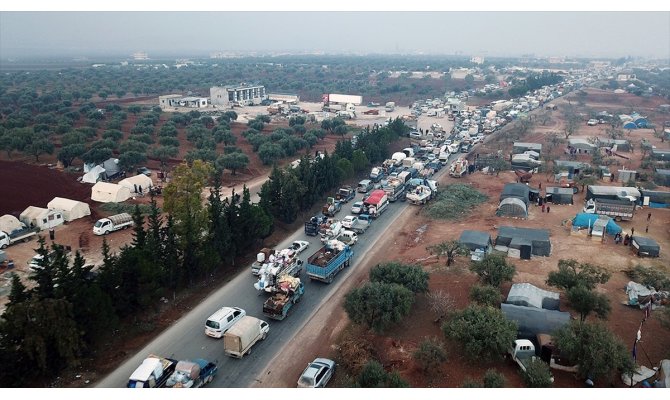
(222, 312)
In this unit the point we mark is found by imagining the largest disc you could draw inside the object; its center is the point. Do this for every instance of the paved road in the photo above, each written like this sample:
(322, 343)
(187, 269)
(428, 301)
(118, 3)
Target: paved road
(186, 338)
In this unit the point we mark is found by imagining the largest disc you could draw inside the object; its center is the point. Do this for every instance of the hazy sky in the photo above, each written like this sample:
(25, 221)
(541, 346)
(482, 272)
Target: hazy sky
(548, 33)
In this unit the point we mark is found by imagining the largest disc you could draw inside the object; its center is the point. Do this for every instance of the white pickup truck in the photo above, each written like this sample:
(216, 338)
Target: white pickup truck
(113, 223)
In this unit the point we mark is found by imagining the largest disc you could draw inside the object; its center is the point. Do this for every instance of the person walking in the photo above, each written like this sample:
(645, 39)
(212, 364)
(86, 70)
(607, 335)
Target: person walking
(543, 207)
(648, 217)
(632, 232)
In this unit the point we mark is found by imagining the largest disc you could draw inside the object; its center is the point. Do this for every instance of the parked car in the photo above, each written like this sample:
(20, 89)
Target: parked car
(144, 171)
(357, 207)
(299, 246)
(317, 374)
(592, 122)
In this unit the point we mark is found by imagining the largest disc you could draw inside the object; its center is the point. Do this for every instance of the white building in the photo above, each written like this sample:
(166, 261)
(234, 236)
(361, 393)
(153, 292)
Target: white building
(244, 94)
(176, 101)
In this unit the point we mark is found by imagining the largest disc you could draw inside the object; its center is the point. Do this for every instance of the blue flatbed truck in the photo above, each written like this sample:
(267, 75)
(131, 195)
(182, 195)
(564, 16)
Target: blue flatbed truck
(328, 261)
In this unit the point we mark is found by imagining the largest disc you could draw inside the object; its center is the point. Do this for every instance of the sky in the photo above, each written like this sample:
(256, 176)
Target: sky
(178, 30)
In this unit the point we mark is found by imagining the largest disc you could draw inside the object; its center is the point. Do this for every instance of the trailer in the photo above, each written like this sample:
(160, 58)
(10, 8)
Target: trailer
(279, 304)
(328, 261)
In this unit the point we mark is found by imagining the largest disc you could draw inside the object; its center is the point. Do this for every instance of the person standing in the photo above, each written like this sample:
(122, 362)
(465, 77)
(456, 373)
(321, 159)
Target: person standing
(548, 208)
(543, 207)
(648, 217)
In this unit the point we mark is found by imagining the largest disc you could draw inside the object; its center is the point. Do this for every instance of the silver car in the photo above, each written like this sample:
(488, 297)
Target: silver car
(317, 374)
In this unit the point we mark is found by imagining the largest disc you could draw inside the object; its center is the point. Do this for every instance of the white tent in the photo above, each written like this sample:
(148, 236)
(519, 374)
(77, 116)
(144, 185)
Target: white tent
(71, 209)
(9, 223)
(93, 175)
(109, 193)
(137, 184)
(42, 218)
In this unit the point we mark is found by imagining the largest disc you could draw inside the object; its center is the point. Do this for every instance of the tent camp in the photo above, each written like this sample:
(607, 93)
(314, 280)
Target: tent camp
(527, 295)
(474, 240)
(94, 174)
(104, 192)
(512, 207)
(540, 245)
(9, 223)
(518, 190)
(645, 247)
(42, 218)
(71, 209)
(532, 321)
(559, 195)
(137, 184)
(111, 166)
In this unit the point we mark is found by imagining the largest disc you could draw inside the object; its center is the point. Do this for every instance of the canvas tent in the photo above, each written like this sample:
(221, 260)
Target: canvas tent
(474, 240)
(137, 184)
(559, 195)
(104, 192)
(71, 209)
(518, 190)
(9, 223)
(645, 246)
(512, 207)
(528, 295)
(532, 321)
(539, 239)
(93, 175)
(42, 218)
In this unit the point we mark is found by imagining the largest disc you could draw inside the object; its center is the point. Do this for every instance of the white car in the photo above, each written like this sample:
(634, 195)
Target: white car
(348, 221)
(592, 122)
(357, 207)
(222, 320)
(299, 246)
(317, 374)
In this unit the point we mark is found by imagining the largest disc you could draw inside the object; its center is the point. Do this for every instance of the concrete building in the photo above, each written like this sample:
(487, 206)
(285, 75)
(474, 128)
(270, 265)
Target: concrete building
(244, 94)
(177, 100)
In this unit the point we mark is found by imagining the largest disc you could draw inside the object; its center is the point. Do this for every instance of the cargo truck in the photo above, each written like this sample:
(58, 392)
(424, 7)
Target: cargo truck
(239, 339)
(113, 223)
(394, 188)
(278, 305)
(620, 210)
(313, 226)
(192, 374)
(376, 203)
(390, 106)
(328, 261)
(284, 263)
(21, 235)
(345, 194)
(152, 373)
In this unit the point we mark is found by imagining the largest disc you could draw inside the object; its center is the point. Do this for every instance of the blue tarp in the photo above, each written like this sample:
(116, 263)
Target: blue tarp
(657, 205)
(584, 220)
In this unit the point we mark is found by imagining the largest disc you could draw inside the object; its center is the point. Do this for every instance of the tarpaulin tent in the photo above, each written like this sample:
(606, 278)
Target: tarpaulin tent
(474, 240)
(109, 193)
(512, 207)
(94, 174)
(71, 209)
(518, 190)
(9, 223)
(541, 245)
(583, 220)
(531, 321)
(528, 295)
(645, 246)
(559, 195)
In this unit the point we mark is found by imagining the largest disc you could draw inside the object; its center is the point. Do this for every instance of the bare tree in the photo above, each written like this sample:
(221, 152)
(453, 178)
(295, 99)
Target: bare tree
(441, 303)
(449, 248)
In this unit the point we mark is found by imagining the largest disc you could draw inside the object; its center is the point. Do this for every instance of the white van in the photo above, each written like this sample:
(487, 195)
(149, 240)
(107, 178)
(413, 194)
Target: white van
(222, 320)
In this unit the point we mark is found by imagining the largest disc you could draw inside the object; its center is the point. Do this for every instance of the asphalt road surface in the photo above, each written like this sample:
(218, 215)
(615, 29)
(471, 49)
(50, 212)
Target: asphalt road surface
(186, 339)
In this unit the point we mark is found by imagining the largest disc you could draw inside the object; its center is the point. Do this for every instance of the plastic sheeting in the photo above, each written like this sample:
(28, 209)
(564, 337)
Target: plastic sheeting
(583, 220)
(532, 321)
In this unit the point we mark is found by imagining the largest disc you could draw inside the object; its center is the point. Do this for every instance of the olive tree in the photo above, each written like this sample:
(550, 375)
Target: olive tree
(378, 305)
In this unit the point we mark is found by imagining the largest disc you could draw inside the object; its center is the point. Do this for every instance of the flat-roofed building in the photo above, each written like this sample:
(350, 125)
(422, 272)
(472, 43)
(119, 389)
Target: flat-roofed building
(237, 95)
